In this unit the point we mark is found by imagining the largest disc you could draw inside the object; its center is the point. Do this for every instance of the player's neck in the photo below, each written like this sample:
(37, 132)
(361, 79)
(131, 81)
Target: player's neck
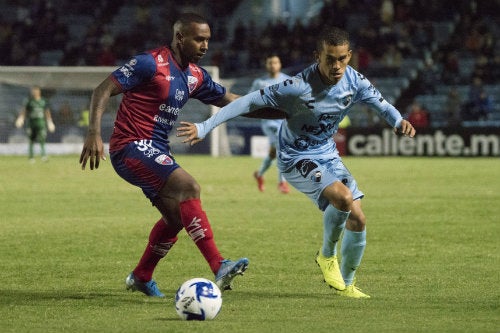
(274, 75)
(182, 63)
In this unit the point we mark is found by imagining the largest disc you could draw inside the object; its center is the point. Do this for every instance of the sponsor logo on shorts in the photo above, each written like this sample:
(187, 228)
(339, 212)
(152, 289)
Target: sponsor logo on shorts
(164, 160)
(306, 166)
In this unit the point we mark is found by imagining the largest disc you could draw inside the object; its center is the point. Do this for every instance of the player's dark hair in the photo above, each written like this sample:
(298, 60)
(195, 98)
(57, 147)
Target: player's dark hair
(271, 55)
(332, 36)
(187, 18)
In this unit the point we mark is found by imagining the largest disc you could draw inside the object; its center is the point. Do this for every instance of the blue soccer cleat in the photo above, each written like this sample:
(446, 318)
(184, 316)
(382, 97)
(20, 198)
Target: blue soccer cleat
(228, 271)
(148, 288)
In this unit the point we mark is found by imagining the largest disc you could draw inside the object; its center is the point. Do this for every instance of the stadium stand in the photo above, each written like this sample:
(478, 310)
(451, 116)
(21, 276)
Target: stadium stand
(453, 41)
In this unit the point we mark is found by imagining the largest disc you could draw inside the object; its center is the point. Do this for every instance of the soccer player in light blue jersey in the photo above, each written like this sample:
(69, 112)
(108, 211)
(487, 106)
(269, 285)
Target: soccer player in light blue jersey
(270, 127)
(314, 102)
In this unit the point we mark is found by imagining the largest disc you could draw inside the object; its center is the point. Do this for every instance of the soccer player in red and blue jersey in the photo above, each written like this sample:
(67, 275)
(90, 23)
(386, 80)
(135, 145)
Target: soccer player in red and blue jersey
(155, 86)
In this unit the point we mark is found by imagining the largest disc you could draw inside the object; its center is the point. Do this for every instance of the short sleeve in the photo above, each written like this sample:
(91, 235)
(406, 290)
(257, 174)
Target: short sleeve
(137, 70)
(208, 91)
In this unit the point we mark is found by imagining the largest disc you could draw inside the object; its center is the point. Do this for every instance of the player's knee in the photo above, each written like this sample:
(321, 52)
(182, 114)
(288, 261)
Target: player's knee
(356, 221)
(190, 190)
(343, 201)
(339, 196)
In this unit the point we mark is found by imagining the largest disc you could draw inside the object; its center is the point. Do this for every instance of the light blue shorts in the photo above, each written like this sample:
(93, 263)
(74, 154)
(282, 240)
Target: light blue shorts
(311, 177)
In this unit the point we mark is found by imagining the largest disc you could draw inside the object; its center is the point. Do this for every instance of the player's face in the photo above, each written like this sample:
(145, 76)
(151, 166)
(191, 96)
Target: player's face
(194, 42)
(332, 62)
(273, 65)
(36, 93)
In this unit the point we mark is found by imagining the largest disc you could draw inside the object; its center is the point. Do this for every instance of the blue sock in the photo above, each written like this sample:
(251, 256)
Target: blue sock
(333, 224)
(266, 163)
(353, 247)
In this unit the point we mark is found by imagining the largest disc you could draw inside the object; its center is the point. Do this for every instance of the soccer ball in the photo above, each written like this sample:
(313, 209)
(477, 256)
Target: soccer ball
(198, 299)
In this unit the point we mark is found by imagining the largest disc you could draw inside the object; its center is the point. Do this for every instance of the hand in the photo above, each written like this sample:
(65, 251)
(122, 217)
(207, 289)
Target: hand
(50, 126)
(189, 131)
(406, 129)
(19, 122)
(93, 149)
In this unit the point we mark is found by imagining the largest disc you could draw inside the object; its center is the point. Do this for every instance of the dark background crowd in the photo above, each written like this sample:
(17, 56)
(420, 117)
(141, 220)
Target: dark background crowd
(454, 43)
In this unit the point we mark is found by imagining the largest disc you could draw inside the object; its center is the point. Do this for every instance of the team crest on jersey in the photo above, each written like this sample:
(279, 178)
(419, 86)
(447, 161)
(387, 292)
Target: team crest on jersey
(192, 82)
(164, 160)
(302, 142)
(346, 100)
(132, 62)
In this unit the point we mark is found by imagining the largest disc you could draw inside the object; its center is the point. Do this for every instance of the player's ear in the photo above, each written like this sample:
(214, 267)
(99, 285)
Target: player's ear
(316, 56)
(179, 37)
(349, 56)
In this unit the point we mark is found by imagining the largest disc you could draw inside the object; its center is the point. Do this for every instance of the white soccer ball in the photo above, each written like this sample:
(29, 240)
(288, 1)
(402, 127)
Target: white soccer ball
(198, 299)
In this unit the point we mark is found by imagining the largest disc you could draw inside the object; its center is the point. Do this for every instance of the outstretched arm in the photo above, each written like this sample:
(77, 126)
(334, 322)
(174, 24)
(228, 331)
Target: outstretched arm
(93, 148)
(405, 128)
(194, 133)
(190, 130)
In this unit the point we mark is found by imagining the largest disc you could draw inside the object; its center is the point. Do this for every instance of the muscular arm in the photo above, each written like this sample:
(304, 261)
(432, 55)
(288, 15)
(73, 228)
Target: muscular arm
(98, 102)
(93, 147)
(226, 99)
(241, 106)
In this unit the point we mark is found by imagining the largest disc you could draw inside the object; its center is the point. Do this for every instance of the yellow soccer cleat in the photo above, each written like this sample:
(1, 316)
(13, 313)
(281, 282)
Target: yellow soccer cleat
(331, 271)
(353, 292)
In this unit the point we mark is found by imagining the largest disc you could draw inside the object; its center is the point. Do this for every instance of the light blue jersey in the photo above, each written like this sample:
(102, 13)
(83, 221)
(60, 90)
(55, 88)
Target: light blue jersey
(270, 127)
(307, 154)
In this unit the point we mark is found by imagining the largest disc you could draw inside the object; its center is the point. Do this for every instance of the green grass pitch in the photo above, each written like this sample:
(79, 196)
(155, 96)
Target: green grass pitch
(68, 238)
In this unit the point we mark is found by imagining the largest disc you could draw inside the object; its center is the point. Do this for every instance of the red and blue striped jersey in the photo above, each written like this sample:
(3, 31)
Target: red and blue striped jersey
(154, 90)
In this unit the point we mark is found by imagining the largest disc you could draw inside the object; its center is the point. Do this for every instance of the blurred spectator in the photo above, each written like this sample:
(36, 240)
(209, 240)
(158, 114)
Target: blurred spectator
(453, 107)
(428, 78)
(479, 105)
(106, 56)
(392, 60)
(474, 41)
(418, 116)
(475, 89)
(84, 118)
(239, 36)
(65, 115)
(405, 43)
(479, 108)
(387, 12)
(484, 69)
(450, 73)
(143, 13)
(363, 59)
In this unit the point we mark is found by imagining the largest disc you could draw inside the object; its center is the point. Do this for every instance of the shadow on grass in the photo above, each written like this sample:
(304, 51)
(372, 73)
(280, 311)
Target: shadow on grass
(30, 297)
